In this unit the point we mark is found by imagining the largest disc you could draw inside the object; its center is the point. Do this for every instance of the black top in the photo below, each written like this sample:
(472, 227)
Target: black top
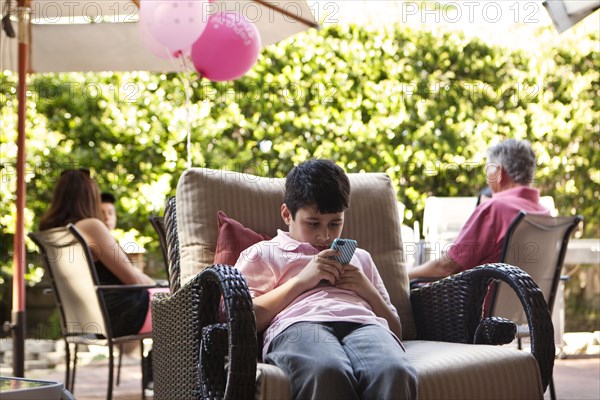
(127, 309)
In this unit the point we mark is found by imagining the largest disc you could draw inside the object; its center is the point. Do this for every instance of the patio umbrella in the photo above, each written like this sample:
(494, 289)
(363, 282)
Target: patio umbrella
(70, 36)
(97, 35)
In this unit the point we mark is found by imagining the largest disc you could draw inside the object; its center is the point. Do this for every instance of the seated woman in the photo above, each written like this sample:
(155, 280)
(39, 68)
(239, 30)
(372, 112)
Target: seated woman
(76, 200)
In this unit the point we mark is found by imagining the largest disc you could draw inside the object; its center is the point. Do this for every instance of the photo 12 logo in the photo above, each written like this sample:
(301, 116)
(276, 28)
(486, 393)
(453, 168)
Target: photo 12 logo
(44, 91)
(59, 12)
(453, 12)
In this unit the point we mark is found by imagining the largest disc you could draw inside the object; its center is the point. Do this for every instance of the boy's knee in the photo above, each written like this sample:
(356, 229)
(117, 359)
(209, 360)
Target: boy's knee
(328, 381)
(407, 381)
(317, 378)
(394, 381)
(328, 369)
(407, 372)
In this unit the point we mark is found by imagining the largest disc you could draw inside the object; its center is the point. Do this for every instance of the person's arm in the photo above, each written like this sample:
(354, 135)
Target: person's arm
(439, 268)
(106, 249)
(354, 279)
(381, 309)
(268, 305)
(472, 241)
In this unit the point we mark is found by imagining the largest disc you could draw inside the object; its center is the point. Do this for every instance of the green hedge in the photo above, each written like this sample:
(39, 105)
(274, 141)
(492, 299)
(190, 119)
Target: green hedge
(422, 106)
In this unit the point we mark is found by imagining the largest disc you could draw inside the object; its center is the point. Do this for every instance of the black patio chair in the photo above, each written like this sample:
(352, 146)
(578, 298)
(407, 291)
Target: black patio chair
(537, 244)
(83, 312)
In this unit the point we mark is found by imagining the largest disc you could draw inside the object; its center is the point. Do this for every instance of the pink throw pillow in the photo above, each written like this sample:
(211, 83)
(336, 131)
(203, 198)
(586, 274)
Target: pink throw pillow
(233, 238)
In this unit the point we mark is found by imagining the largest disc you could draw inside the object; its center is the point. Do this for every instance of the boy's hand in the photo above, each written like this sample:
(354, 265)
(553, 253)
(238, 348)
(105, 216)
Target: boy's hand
(321, 267)
(354, 279)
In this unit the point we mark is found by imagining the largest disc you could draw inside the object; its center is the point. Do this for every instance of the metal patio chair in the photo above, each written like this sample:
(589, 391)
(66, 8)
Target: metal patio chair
(537, 244)
(83, 312)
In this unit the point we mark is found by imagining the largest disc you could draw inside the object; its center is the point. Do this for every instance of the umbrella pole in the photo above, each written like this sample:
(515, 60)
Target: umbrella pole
(18, 298)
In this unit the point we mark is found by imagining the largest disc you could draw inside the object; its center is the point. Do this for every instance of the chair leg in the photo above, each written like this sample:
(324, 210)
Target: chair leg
(143, 365)
(119, 366)
(552, 391)
(110, 371)
(74, 368)
(68, 366)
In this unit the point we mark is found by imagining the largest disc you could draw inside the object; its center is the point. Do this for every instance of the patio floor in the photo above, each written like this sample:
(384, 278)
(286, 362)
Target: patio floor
(575, 378)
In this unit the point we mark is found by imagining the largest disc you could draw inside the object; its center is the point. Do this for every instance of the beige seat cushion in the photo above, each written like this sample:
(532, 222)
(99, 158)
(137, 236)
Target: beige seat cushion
(466, 371)
(448, 371)
(255, 202)
(271, 383)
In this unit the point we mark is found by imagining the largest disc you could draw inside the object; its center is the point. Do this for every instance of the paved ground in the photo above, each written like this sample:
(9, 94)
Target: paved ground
(91, 380)
(574, 379)
(577, 379)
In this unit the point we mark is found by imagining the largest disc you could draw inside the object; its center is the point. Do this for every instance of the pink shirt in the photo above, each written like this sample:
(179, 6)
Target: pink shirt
(269, 264)
(480, 240)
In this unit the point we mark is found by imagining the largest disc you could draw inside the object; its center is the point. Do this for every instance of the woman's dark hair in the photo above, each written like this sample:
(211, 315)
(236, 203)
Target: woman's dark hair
(317, 183)
(76, 196)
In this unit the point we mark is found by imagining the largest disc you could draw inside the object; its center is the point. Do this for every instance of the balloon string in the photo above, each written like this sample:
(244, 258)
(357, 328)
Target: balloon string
(185, 77)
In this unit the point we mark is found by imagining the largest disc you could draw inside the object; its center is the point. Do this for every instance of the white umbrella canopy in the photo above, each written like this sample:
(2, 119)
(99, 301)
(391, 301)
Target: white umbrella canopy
(103, 35)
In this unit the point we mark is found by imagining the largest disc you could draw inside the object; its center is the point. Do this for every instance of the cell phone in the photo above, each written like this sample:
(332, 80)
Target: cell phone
(346, 248)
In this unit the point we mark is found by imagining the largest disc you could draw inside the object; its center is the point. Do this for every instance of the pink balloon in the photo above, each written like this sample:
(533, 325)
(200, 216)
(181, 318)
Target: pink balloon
(151, 43)
(176, 24)
(227, 49)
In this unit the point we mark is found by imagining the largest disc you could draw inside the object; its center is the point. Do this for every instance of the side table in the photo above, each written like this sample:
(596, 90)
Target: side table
(21, 388)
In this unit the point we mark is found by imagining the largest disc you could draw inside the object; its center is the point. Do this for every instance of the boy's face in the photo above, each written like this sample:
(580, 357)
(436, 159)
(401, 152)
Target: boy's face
(109, 215)
(310, 226)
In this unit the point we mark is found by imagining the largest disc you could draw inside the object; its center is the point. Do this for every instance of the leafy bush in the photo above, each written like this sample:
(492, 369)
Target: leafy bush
(422, 106)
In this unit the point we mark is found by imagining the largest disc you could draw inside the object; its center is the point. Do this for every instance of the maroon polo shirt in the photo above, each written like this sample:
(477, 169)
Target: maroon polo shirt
(480, 240)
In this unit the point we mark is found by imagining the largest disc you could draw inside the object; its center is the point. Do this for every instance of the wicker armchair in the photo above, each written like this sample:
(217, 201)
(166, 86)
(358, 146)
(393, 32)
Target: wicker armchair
(158, 223)
(199, 355)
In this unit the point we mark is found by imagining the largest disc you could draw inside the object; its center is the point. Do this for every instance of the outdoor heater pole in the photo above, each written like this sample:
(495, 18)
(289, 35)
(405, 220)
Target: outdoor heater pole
(18, 298)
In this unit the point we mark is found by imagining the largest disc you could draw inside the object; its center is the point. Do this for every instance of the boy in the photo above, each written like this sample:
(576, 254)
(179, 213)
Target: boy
(331, 328)
(109, 214)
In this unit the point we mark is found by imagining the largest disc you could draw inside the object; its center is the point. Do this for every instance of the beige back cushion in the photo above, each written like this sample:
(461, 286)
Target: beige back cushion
(67, 260)
(535, 247)
(256, 201)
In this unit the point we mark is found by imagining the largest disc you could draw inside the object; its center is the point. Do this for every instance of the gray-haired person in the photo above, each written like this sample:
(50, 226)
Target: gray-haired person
(509, 171)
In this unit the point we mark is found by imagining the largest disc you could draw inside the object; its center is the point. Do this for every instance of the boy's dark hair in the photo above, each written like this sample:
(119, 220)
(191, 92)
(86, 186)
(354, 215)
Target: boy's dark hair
(107, 198)
(319, 183)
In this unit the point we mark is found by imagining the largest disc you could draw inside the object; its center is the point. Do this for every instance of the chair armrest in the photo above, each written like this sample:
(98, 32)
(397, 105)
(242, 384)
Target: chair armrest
(238, 380)
(450, 309)
(192, 344)
(418, 282)
(127, 287)
(176, 342)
